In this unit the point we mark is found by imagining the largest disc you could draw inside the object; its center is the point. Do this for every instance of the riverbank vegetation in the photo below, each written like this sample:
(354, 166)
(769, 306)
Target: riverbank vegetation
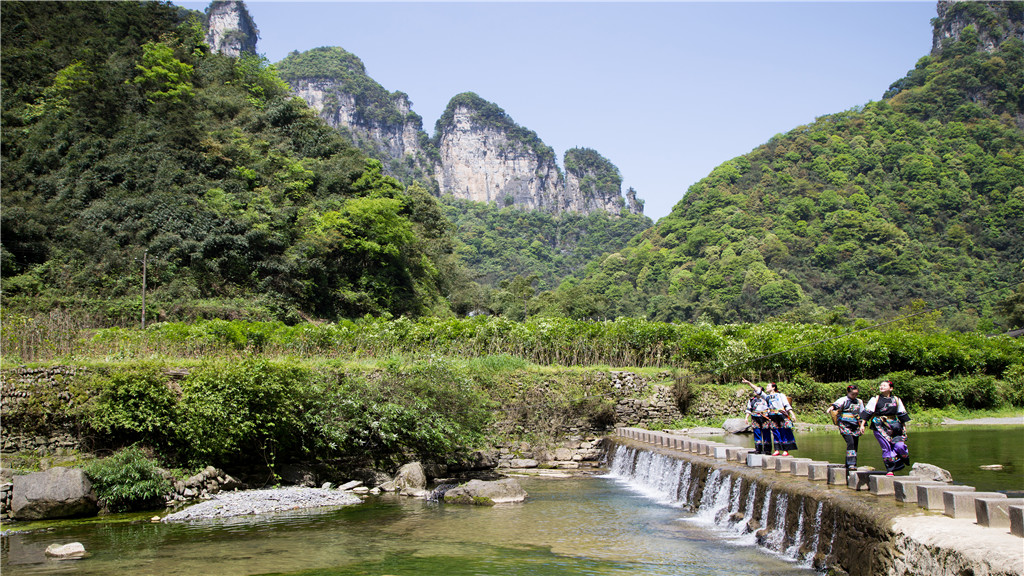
(380, 391)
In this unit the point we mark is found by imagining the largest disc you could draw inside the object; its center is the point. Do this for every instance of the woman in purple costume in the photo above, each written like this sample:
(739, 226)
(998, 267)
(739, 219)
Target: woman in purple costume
(888, 418)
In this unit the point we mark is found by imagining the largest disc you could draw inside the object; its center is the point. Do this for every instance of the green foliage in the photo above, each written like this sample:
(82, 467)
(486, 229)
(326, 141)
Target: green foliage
(499, 244)
(132, 403)
(597, 175)
(126, 135)
(163, 76)
(128, 481)
(424, 408)
(254, 407)
(373, 102)
(918, 196)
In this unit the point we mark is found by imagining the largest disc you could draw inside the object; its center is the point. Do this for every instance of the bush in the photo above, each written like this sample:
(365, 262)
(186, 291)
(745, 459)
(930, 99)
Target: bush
(131, 404)
(128, 481)
(249, 408)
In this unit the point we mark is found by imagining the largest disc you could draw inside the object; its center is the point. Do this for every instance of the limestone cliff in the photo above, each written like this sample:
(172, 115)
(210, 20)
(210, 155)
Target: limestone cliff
(478, 153)
(334, 83)
(591, 182)
(230, 29)
(482, 155)
(485, 157)
(992, 22)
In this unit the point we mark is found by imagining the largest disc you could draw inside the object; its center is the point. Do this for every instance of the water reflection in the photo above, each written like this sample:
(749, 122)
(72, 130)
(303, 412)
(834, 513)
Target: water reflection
(574, 526)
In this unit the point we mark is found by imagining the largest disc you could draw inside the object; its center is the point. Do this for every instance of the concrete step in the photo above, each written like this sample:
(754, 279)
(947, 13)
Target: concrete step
(858, 479)
(905, 487)
(838, 476)
(961, 504)
(1016, 520)
(882, 485)
(994, 512)
(818, 471)
(930, 496)
(802, 466)
(785, 465)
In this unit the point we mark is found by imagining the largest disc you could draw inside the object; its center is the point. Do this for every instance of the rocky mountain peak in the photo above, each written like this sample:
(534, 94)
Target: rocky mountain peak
(230, 29)
(484, 156)
(991, 22)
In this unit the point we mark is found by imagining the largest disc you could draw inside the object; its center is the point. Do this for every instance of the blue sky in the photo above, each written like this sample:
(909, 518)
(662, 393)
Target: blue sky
(665, 90)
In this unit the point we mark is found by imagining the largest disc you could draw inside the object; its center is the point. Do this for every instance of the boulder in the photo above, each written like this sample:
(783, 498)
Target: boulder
(523, 463)
(72, 550)
(411, 476)
(930, 472)
(54, 493)
(736, 426)
(435, 469)
(486, 492)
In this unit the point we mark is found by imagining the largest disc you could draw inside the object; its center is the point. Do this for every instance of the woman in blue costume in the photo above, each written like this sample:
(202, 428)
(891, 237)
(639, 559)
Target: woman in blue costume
(757, 417)
(780, 415)
(846, 414)
(888, 419)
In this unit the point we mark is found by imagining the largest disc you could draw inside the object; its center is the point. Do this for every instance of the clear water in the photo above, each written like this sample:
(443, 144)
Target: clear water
(578, 526)
(960, 449)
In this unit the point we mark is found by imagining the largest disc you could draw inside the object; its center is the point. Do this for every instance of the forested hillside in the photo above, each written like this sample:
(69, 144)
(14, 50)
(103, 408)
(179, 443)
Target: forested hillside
(513, 253)
(125, 140)
(919, 196)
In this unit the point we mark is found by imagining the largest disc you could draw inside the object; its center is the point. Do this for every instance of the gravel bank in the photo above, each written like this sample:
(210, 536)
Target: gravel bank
(247, 502)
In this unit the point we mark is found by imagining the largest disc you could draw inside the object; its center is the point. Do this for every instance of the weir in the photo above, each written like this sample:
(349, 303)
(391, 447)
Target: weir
(813, 523)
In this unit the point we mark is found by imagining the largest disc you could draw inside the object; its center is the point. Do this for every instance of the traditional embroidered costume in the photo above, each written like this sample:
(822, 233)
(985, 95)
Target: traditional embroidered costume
(758, 410)
(887, 416)
(848, 418)
(780, 422)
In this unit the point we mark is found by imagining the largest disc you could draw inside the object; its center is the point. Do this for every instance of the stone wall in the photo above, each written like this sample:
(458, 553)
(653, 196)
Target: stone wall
(570, 454)
(44, 390)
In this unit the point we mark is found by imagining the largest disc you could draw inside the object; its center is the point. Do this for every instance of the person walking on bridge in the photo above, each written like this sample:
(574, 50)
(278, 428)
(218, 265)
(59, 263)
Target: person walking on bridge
(846, 414)
(780, 413)
(888, 419)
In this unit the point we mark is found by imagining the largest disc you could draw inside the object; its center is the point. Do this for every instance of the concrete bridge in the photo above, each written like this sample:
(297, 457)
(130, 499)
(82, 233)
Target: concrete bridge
(873, 523)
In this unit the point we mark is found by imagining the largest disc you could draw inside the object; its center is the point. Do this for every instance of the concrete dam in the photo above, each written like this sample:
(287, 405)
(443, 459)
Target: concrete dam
(815, 514)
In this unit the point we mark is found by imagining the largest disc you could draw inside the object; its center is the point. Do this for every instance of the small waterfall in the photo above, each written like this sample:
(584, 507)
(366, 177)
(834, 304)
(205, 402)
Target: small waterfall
(684, 484)
(793, 551)
(717, 500)
(775, 540)
(813, 549)
(752, 494)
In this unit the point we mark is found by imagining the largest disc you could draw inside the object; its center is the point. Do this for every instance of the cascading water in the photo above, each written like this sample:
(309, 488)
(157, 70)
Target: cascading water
(813, 549)
(717, 501)
(775, 539)
(793, 552)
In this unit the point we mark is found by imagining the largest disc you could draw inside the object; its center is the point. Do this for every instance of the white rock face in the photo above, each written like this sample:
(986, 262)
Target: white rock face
(338, 108)
(230, 29)
(578, 199)
(482, 164)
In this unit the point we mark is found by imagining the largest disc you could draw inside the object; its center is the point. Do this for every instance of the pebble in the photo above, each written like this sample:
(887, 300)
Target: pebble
(246, 502)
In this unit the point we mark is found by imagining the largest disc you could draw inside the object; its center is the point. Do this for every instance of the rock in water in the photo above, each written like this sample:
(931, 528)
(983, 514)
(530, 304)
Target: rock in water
(931, 472)
(481, 491)
(411, 476)
(736, 426)
(54, 493)
(73, 550)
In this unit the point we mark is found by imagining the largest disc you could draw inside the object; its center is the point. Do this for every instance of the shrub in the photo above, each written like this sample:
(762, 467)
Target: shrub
(247, 408)
(128, 481)
(131, 404)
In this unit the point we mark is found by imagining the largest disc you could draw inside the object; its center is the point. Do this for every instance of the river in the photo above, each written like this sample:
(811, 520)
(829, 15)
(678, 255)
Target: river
(575, 526)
